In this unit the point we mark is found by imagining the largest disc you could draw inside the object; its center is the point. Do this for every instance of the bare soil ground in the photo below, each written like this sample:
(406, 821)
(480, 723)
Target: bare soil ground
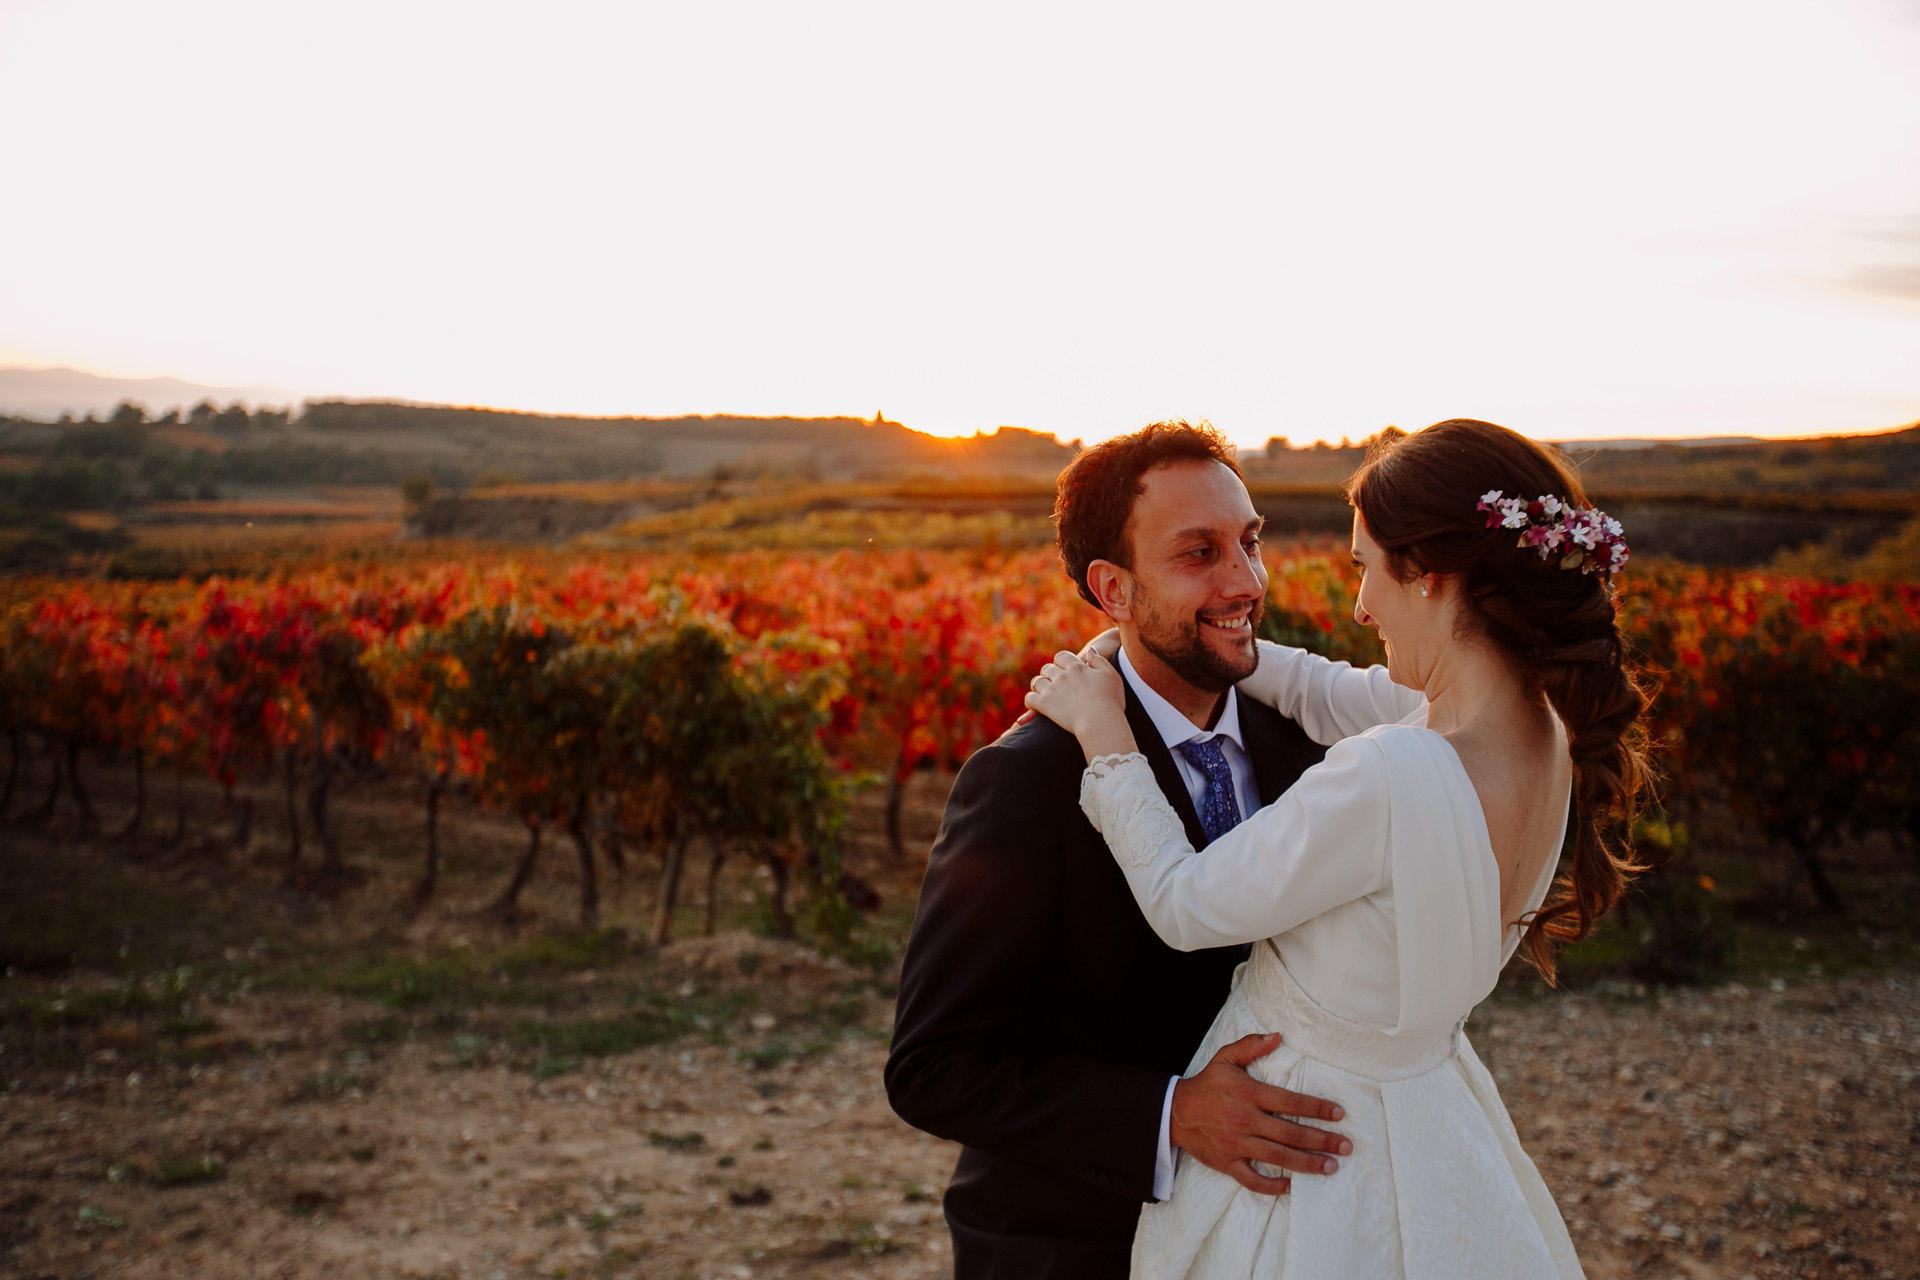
(668, 1160)
(333, 1087)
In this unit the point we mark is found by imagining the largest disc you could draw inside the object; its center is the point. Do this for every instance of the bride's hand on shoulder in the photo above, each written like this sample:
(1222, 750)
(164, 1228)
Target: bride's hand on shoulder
(1106, 645)
(1087, 699)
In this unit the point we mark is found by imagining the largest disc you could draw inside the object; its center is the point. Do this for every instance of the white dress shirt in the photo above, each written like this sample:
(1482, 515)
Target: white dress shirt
(1174, 729)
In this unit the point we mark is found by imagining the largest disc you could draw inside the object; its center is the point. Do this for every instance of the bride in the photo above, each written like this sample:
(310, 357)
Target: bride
(1386, 890)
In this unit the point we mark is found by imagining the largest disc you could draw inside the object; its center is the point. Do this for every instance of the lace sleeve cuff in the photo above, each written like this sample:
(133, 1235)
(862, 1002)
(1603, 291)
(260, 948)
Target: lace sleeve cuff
(1122, 799)
(1107, 766)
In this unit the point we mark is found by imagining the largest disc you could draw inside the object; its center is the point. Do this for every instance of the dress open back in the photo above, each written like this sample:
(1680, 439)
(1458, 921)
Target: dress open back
(1372, 895)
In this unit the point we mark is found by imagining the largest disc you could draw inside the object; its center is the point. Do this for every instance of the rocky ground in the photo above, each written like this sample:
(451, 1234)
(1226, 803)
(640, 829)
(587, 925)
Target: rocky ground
(330, 1087)
(416, 1160)
(1726, 1133)
(1730, 1132)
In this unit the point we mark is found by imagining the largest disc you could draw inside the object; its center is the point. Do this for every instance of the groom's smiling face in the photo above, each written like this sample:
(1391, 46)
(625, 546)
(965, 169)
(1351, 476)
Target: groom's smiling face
(1193, 593)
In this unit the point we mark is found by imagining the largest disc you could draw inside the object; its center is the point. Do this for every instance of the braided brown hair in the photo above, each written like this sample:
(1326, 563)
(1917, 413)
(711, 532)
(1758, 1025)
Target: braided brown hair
(1418, 495)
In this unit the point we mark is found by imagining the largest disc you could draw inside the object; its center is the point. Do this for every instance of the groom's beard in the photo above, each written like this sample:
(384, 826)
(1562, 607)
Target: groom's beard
(1177, 640)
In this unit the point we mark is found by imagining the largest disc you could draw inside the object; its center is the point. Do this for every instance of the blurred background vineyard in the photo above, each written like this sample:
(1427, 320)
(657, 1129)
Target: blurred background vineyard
(674, 676)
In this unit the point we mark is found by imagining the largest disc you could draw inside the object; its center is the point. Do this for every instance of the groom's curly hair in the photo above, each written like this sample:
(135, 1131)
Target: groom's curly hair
(1093, 499)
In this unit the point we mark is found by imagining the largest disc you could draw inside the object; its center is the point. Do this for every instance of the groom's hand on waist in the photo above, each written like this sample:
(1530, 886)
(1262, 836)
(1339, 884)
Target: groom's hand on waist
(1226, 1119)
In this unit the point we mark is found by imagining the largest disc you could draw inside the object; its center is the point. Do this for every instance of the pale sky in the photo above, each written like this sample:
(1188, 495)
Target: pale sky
(1651, 217)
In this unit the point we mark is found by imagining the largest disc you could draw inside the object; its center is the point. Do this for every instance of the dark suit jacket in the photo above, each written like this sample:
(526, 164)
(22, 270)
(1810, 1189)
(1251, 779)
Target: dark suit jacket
(1040, 1016)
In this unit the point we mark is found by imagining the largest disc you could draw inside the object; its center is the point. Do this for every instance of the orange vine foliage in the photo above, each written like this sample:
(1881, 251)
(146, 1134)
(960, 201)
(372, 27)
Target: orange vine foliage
(914, 656)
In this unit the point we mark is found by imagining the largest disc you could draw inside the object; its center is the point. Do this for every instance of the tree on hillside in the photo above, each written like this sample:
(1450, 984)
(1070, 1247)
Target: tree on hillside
(232, 420)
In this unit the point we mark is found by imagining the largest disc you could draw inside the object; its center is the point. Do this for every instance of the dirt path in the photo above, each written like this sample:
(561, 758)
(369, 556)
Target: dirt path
(1729, 1133)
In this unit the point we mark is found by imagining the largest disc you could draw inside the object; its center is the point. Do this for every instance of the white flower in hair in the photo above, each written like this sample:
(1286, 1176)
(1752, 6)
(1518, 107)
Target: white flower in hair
(1590, 539)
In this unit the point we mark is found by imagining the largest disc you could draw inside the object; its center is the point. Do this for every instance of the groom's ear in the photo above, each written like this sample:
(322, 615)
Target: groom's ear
(1113, 587)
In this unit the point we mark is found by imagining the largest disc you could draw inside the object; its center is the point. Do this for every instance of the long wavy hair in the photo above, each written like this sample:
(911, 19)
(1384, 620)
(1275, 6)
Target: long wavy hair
(1419, 495)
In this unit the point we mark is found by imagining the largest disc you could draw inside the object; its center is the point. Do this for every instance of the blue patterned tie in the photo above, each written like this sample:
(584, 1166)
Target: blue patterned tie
(1219, 810)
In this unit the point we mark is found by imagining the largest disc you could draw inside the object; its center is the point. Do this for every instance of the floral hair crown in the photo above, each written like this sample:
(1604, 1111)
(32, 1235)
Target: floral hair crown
(1592, 539)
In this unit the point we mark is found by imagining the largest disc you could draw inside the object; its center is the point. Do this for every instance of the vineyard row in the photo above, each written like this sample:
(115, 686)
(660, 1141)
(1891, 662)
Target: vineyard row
(732, 702)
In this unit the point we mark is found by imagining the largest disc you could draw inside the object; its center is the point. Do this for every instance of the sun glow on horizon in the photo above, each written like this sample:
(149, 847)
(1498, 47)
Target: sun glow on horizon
(1293, 221)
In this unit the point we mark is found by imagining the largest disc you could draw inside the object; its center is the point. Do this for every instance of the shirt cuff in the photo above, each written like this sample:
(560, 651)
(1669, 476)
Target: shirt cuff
(1163, 1158)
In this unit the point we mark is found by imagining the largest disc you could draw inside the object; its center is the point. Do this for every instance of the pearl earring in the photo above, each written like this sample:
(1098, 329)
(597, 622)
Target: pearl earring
(1423, 589)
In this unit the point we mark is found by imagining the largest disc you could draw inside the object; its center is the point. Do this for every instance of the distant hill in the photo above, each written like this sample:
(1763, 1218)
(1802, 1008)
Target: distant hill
(547, 477)
(1648, 442)
(48, 393)
(381, 442)
(531, 446)
(1887, 463)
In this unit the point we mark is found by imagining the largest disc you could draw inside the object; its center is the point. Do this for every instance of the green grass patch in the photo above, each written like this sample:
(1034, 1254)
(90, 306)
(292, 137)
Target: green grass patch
(858, 1236)
(468, 977)
(81, 1009)
(767, 1056)
(567, 953)
(548, 1066)
(649, 1018)
(844, 1013)
(596, 1038)
(684, 1143)
(601, 1219)
(410, 984)
(187, 1024)
(468, 1051)
(189, 1173)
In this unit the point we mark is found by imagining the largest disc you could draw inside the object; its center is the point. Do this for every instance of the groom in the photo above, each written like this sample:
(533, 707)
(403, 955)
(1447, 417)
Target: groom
(1041, 1021)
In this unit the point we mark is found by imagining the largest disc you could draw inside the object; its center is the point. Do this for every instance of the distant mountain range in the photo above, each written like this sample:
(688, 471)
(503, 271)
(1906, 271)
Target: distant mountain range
(1648, 442)
(460, 445)
(48, 393)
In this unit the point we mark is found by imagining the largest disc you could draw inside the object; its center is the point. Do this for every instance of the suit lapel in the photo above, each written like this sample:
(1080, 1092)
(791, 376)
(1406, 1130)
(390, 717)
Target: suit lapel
(1279, 749)
(1165, 771)
(1259, 727)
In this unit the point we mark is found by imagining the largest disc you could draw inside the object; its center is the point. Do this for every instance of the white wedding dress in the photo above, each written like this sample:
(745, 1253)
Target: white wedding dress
(1371, 894)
